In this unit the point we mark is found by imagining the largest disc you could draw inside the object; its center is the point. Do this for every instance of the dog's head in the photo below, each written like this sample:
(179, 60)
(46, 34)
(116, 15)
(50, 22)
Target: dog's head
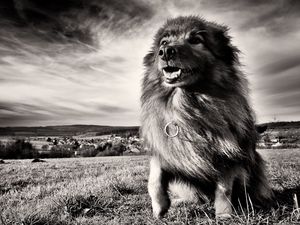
(186, 49)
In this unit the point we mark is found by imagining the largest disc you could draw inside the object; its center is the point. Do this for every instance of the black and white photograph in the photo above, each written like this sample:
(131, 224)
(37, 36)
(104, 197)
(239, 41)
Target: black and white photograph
(149, 112)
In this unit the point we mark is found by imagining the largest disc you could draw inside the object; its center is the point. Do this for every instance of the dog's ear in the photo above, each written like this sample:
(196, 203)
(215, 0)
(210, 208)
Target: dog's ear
(220, 44)
(149, 59)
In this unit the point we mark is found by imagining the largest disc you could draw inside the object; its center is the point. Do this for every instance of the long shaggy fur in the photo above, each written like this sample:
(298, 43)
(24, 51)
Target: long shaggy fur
(216, 124)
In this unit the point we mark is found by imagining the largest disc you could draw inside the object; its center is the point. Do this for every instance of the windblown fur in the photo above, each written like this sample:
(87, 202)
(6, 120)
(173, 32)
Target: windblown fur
(216, 132)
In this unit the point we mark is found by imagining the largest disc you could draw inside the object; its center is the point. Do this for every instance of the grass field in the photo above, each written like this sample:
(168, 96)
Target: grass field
(113, 190)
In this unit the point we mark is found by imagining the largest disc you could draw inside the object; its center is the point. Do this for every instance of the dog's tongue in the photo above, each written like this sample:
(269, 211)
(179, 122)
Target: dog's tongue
(171, 73)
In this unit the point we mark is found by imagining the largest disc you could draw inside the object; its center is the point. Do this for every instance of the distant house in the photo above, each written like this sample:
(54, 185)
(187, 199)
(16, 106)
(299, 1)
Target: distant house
(278, 144)
(86, 146)
(134, 150)
(261, 144)
(275, 140)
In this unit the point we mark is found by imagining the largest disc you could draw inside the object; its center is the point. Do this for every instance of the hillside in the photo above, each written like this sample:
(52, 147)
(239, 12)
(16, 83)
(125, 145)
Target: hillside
(66, 130)
(283, 125)
(71, 130)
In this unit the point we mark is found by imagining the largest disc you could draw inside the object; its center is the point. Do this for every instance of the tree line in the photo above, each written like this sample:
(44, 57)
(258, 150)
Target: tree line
(21, 149)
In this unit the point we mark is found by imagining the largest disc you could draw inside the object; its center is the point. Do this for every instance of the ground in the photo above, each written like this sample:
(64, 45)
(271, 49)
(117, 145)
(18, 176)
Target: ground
(113, 190)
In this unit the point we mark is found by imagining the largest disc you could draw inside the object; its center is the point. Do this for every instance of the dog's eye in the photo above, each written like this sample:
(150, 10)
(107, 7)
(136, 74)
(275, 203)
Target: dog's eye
(164, 42)
(195, 40)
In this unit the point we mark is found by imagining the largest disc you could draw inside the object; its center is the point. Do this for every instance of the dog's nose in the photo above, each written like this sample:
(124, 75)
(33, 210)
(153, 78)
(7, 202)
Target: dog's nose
(167, 52)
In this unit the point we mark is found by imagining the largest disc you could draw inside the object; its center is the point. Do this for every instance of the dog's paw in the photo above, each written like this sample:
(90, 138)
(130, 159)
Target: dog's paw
(161, 208)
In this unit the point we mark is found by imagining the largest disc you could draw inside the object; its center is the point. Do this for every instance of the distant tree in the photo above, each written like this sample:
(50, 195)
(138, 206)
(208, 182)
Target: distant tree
(55, 141)
(115, 149)
(266, 138)
(104, 146)
(88, 152)
(45, 147)
(118, 147)
(75, 145)
(2, 150)
(20, 149)
(61, 151)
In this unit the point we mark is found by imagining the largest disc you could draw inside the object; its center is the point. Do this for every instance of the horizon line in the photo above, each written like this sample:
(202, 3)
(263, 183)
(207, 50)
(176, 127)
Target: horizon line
(61, 125)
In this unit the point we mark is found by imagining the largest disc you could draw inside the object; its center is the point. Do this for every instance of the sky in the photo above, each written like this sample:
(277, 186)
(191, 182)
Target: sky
(80, 62)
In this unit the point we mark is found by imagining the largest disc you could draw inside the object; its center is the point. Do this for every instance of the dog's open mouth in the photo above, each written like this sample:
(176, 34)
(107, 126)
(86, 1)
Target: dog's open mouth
(172, 74)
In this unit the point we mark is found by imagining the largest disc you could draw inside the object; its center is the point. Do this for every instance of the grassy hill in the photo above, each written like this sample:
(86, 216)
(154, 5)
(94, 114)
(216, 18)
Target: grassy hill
(283, 125)
(66, 130)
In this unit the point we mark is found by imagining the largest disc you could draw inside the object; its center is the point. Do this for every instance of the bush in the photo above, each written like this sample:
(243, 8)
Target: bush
(88, 152)
(115, 149)
(109, 153)
(20, 149)
(104, 146)
(60, 151)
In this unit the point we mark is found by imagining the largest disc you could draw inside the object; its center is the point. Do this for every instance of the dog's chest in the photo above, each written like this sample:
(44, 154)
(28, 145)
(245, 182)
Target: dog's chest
(185, 108)
(187, 131)
(176, 123)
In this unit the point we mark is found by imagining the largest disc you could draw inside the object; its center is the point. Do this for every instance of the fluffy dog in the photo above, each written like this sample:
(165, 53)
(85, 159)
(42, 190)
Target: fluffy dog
(196, 118)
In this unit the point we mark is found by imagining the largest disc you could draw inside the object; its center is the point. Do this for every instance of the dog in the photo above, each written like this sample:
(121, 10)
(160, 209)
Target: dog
(196, 118)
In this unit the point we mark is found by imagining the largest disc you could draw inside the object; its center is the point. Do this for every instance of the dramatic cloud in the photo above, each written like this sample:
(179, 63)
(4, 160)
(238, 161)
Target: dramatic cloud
(282, 64)
(76, 61)
(78, 19)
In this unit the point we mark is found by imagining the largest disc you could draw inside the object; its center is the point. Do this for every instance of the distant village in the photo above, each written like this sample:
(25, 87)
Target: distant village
(83, 146)
(279, 139)
(91, 144)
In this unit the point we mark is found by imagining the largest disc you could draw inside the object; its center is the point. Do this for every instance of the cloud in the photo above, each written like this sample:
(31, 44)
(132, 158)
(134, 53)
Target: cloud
(76, 19)
(282, 64)
(80, 61)
(49, 113)
(276, 17)
(13, 114)
(112, 109)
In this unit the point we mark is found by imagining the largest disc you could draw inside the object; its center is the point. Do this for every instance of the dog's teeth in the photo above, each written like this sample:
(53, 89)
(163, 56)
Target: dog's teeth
(173, 74)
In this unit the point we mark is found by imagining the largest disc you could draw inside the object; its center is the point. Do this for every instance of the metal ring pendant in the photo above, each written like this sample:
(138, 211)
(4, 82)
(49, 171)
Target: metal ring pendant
(166, 130)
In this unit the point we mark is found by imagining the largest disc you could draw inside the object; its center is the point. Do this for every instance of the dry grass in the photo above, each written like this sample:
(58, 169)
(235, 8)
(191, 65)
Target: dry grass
(112, 190)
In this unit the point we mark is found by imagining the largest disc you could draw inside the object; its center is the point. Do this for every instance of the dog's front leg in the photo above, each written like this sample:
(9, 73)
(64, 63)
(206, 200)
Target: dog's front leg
(223, 206)
(158, 188)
